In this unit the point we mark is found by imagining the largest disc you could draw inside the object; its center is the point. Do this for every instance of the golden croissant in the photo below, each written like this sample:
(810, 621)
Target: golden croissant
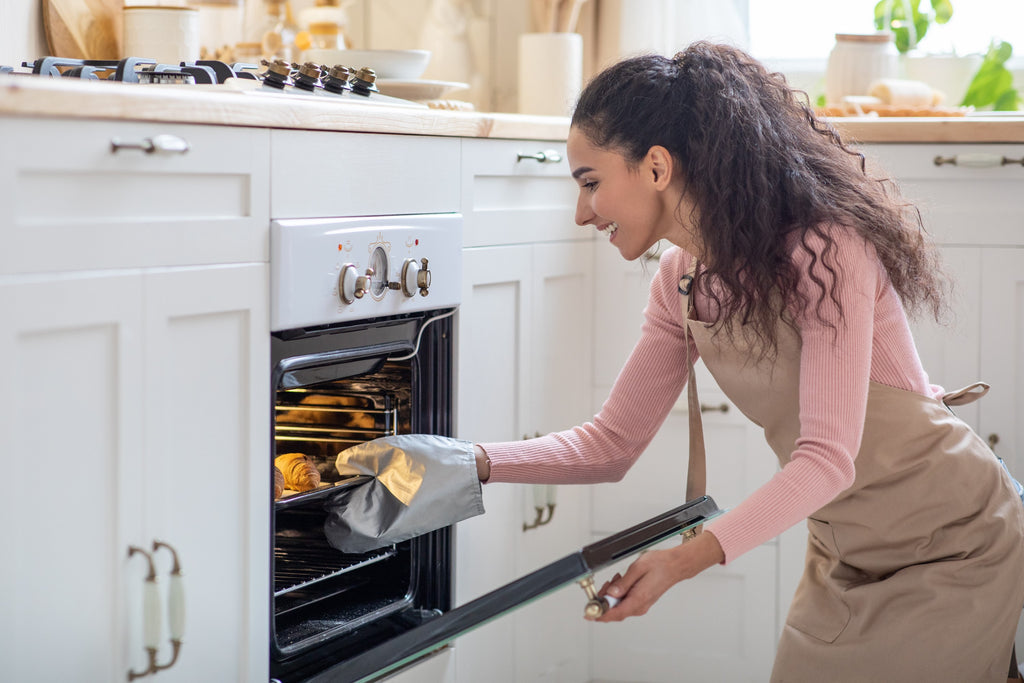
(278, 483)
(300, 474)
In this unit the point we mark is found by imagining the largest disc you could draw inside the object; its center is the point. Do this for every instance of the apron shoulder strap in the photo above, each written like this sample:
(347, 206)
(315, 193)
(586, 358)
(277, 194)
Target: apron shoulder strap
(696, 471)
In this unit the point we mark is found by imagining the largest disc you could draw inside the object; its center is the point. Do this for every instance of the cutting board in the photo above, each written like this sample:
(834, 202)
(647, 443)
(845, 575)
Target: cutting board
(83, 29)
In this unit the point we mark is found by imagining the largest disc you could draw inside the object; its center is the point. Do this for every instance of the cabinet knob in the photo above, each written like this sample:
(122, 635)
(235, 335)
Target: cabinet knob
(548, 156)
(158, 144)
(993, 439)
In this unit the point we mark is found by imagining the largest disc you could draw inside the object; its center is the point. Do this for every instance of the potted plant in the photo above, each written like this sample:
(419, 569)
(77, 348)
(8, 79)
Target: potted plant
(908, 21)
(952, 74)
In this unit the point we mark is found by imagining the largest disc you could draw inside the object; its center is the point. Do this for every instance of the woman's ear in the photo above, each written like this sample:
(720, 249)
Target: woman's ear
(660, 165)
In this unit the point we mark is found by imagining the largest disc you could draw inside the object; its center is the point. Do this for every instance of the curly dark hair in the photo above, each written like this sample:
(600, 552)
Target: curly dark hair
(764, 174)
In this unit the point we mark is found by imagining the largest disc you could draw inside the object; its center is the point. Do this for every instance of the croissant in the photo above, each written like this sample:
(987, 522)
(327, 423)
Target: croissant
(300, 474)
(278, 483)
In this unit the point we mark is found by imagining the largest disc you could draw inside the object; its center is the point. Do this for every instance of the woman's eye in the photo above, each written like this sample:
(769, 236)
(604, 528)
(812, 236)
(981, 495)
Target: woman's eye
(589, 185)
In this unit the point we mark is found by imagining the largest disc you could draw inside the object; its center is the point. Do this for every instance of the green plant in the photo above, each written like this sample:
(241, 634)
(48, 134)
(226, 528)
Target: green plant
(993, 83)
(892, 15)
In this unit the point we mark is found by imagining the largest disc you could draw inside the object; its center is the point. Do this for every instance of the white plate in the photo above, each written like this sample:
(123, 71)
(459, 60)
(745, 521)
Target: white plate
(419, 89)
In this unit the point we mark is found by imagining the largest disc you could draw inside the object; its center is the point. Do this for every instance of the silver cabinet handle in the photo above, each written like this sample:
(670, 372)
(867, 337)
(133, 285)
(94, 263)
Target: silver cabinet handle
(977, 160)
(720, 408)
(158, 144)
(548, 156)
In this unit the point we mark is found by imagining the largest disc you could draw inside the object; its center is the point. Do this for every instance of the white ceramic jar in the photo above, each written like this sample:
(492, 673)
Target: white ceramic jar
(856, 61)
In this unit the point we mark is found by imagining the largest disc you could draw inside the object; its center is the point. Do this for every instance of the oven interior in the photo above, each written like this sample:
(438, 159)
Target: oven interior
(337, 390)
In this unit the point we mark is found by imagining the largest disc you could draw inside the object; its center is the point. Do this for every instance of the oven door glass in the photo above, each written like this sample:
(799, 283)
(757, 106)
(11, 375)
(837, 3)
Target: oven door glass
(442, 629)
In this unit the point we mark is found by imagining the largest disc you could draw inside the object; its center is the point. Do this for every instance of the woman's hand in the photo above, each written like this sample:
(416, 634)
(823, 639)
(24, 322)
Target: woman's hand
(656, 571)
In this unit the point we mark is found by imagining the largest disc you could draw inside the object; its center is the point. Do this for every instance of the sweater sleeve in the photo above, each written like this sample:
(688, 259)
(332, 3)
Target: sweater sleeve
(641, 398)
(835, 367)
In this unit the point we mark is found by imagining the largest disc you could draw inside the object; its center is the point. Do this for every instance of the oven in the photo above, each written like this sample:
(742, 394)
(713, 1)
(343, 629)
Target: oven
(362, 347)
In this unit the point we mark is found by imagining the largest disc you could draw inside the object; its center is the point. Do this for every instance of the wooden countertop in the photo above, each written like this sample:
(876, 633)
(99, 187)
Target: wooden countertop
(23, 95)
(977, 129)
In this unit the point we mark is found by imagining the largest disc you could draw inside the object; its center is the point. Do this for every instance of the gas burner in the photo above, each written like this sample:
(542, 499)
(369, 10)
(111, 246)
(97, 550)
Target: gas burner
(278, 77)
(137, 70)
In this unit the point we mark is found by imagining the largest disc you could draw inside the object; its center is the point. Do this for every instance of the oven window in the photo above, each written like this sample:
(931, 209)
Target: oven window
(323, 420)
(320, 592)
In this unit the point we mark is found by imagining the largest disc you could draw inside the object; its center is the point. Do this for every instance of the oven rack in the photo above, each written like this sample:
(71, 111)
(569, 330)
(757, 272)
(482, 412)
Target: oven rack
(298, 565)
(322, 491)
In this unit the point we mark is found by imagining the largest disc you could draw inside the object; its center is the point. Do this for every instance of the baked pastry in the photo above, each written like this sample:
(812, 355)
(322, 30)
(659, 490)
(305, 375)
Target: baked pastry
(300, 473)
(278, 483)
(335, 411)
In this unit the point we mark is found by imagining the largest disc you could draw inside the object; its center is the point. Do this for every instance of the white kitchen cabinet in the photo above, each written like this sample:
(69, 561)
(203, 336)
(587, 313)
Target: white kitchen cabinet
(134, 417)
(524, 368)
(136, 332)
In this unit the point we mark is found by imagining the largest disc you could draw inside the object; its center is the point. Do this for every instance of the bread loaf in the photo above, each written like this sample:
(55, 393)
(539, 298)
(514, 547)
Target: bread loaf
(300, 473)
(904, 93)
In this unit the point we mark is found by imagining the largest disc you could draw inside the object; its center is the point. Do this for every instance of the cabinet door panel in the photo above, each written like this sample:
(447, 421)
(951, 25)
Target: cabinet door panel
(352, 167)
(960, 204)
(208, 464)
(1002, 354)
(950, 351)
(494, 329)
(508, 200)
(70, 439)
(69, 202)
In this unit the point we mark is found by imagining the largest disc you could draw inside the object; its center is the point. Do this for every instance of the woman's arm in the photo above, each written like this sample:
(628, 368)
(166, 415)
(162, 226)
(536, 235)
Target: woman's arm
(643, 394)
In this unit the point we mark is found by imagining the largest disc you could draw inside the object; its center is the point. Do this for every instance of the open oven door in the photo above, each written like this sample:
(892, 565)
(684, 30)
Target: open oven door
(442, 629)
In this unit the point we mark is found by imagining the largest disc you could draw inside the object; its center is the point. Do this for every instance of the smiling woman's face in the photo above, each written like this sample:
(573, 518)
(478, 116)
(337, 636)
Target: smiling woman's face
(636, 205)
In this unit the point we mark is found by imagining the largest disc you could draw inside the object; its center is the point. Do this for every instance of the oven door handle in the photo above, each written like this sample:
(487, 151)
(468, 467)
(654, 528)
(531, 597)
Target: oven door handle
(286, 373)
(421, 640)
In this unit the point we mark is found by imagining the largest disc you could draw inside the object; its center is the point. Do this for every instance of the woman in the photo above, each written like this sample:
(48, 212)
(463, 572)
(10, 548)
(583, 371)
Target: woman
(789, 276)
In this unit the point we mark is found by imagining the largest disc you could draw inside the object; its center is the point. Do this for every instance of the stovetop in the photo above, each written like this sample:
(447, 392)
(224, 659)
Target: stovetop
(277, 77)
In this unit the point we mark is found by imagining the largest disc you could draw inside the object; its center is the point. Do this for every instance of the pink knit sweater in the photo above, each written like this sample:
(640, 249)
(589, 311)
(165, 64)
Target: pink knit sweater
(872, 340)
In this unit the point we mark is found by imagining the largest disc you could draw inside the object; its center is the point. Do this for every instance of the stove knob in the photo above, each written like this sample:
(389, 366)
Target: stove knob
(363, 283)
(347, 283)
(415, 276)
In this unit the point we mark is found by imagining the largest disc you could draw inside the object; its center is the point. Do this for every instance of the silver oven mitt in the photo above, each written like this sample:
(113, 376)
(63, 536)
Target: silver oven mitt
(421, 482)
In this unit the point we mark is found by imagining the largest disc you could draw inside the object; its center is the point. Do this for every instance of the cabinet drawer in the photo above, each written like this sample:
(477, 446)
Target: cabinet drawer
(331, 175)
(70, 201)
(960, 203)
(510, 200)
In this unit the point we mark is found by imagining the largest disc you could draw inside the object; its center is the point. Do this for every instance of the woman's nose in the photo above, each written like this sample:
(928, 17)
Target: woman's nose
(584, 215)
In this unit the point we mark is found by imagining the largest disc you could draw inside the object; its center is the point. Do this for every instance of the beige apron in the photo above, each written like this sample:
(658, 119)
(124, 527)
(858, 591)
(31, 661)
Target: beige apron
(916, 572)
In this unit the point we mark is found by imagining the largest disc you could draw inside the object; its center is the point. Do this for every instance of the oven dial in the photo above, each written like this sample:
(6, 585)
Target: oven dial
(415, 276)
(347, 283)
(364, 284)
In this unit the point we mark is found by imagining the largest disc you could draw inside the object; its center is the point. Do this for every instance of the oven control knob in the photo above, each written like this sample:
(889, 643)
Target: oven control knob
(347, 283)
(363, 283)
(415, 276)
